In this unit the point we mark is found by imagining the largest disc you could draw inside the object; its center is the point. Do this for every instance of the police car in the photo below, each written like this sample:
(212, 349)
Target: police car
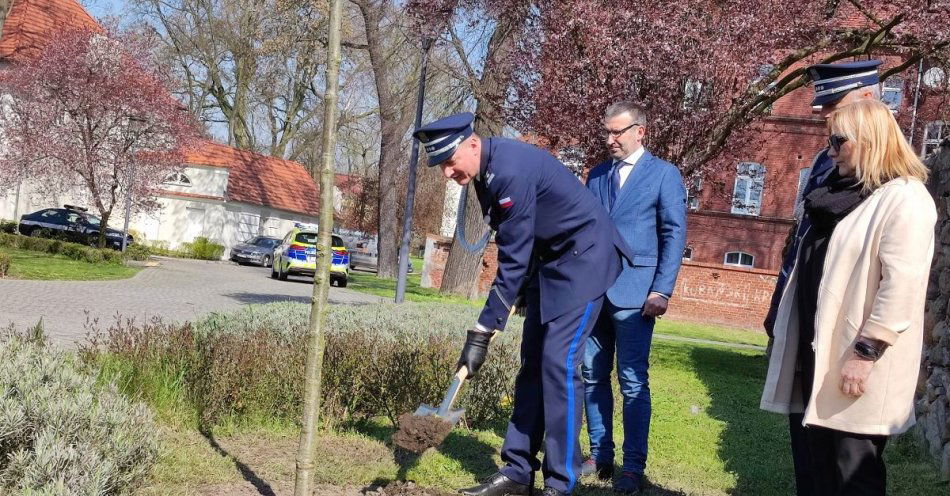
(71, 223)
(297, 255)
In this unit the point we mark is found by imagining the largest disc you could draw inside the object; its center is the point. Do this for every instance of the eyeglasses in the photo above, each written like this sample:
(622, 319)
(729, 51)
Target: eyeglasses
(616, 133)
(835, 141)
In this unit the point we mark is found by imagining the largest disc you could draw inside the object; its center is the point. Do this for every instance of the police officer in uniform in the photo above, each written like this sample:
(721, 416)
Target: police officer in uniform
(835, 85)
(544, 217)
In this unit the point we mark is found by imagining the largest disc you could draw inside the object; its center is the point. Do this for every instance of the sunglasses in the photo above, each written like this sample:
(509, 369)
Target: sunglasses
(835, 141)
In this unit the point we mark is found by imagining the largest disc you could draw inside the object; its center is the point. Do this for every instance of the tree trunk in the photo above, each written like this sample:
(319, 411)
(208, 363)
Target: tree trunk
(318, 304)
(103, 226)
(394, 124)
(462, 267)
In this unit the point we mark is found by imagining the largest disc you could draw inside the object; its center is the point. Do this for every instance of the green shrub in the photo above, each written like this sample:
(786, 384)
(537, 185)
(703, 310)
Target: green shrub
(8, 226)
(61, 433)
(69, 250)
(137, 252)
(380, 360)
(204, 249)
(4, 264)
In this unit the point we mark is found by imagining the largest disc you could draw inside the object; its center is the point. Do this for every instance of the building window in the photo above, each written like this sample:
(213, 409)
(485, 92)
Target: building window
(739, 259)
(934, 133)
(747, 195)
(688, 253)
(573, 157)
(696, 95)
(178, 179)
(892, 92)
(692, 192)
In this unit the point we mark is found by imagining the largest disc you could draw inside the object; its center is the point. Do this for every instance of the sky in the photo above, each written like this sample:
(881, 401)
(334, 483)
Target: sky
(103, 8)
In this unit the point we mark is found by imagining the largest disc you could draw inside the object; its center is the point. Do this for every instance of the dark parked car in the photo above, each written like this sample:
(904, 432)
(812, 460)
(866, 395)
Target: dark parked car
(70, 223)
(258, 250)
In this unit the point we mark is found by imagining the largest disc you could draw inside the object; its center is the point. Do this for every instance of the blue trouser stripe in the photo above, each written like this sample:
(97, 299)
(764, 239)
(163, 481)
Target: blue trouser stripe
(569, 448)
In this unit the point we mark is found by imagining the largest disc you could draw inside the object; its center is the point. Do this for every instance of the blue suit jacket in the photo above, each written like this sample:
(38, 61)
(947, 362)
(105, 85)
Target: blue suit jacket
(542, 214)
(650, 213)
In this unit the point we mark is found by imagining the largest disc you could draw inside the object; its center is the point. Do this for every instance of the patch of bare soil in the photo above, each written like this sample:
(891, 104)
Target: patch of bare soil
(401, 488)
(419, 433)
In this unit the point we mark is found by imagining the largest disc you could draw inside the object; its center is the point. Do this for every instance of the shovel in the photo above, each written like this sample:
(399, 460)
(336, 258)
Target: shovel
(428, 425)
(445, 411)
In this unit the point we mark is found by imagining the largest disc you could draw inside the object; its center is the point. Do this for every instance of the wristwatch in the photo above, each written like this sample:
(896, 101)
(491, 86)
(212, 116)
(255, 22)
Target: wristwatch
(869, 350)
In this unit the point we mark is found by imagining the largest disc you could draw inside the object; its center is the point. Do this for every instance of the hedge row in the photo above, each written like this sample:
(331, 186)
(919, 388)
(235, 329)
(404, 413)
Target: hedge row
(74, 251)
(381, 360)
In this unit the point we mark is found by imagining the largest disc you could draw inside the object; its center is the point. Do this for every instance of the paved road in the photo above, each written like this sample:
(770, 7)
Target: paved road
(175, 290)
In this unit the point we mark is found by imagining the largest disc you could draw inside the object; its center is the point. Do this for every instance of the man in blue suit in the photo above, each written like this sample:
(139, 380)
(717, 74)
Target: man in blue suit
(647, 202)
(543, 218)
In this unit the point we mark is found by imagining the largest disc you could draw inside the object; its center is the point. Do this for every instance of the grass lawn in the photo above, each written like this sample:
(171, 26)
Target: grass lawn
(367, 282)
(27, 264)
(707, 437)
(711, 333)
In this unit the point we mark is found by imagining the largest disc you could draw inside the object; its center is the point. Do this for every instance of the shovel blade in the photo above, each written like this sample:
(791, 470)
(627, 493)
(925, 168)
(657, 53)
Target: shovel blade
(452, 416)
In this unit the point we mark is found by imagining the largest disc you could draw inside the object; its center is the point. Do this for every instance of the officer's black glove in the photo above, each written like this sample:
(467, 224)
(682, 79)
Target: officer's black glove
(474, 351)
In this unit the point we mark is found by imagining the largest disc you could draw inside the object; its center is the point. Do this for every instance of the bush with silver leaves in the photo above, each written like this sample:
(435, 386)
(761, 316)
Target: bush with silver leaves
(61, 433)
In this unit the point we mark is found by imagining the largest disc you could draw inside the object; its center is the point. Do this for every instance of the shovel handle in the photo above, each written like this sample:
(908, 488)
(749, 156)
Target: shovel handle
(461, 374)
(453, 391)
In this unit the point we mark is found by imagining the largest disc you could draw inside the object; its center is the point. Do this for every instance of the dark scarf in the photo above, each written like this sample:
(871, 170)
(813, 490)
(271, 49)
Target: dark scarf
(834, 199)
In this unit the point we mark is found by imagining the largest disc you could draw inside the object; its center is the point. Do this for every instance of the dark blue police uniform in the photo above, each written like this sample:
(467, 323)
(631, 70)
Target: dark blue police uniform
(544, 218)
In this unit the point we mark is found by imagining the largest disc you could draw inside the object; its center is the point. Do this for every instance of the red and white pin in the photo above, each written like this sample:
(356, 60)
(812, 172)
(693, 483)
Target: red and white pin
(506, 202)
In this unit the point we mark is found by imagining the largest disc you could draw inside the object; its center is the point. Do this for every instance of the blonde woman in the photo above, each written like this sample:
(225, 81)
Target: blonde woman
(849, 327)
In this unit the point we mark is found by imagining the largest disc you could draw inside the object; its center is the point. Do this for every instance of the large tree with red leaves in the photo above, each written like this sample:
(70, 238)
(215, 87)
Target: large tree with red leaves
(704, 69)
(89, 117)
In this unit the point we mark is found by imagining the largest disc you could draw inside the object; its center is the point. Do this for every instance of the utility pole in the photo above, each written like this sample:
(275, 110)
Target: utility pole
(313, 374)
(411, 193)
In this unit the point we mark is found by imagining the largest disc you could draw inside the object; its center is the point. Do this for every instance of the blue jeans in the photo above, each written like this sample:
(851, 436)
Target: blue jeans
(629, 333)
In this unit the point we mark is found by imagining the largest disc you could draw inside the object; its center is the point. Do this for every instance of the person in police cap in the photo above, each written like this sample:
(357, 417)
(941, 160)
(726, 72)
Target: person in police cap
(835, 85)
(542, 216)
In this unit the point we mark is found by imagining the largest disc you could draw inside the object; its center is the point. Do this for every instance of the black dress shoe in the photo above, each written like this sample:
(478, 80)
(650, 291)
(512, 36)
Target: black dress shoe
(496, 485)
(550, 491)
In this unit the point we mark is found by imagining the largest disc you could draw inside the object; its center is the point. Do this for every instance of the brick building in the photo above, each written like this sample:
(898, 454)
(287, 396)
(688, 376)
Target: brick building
(741, 214)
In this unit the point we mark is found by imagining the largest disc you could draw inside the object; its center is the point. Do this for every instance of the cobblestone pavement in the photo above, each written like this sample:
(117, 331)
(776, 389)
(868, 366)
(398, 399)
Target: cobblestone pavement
(175, 290)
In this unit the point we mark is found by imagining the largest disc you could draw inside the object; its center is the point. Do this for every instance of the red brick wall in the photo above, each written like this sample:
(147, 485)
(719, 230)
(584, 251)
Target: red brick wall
(717, 294)
(437, 252)
(707, 293)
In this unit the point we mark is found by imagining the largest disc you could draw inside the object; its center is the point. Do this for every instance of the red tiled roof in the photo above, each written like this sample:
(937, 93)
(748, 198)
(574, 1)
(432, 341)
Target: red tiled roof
(31, 23)
(259, 179)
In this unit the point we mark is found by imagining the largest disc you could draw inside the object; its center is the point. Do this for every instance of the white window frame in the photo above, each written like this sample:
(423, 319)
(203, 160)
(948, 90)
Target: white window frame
(929, 141)
(739, 255)
(893, 85)
(692, 192)
(695, 95)
(178, 179)
(752, 176)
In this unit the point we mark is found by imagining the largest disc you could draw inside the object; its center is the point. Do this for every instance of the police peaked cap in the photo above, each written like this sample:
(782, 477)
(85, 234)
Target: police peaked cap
(834, 81)
(442, 137)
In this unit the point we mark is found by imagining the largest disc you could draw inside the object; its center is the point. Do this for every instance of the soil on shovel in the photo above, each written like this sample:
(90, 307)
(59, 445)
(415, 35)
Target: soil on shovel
(418, 433)
(402, 488)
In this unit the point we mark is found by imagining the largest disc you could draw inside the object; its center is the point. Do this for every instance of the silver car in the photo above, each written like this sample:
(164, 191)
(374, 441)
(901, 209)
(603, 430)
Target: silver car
(258, 250)
(364, 256)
